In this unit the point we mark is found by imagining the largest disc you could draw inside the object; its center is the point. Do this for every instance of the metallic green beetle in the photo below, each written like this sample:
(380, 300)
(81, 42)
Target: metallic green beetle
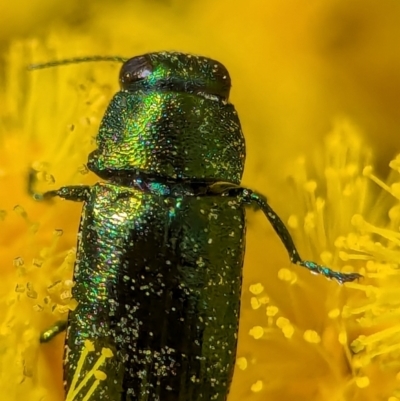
(161, 242)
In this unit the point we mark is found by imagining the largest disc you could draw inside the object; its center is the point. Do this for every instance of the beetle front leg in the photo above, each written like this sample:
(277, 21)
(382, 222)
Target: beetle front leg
(251, 197)
(77, 193)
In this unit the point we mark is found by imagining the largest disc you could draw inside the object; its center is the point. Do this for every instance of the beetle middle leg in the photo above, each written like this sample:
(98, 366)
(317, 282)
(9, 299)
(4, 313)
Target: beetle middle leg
(249, 197)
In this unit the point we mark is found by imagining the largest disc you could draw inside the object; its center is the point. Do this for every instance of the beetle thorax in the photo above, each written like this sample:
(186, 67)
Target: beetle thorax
(178, 135)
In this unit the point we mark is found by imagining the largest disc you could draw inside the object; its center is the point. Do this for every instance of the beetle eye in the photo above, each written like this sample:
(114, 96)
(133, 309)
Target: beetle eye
(135, 69)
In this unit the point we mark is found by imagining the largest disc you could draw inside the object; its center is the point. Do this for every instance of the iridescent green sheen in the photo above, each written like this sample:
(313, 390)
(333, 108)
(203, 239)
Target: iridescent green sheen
(171, 126)
(158, 281)
(159, 269)
(161, 244)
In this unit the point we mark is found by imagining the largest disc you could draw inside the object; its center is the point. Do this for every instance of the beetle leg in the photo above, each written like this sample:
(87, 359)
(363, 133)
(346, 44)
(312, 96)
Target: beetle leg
(53, 330)
(77, 193)
(249, 196)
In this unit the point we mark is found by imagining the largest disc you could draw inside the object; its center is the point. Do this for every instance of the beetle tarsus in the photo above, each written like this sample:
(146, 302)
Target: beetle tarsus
(328, 273)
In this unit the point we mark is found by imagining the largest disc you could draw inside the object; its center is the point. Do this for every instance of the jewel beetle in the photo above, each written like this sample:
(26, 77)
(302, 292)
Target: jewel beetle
(161, 241)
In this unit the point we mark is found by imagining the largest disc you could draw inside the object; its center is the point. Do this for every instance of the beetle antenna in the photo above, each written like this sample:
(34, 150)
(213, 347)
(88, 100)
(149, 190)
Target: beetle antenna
(76, 60)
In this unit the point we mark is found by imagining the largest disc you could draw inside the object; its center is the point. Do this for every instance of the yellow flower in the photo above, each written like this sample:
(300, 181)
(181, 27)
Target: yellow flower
(301, 337)
(37, 240)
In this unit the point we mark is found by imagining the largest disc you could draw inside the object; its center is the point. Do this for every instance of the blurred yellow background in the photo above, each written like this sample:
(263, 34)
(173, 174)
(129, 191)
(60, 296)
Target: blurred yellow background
(296, 67)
